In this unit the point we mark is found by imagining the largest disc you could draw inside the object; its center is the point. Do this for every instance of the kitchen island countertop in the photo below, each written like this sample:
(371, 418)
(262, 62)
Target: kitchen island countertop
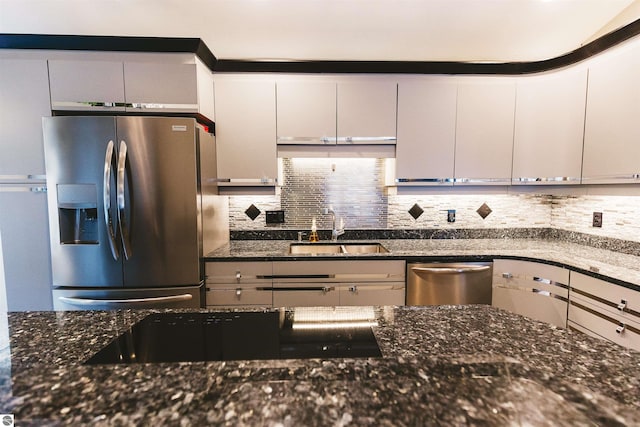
(446, 365)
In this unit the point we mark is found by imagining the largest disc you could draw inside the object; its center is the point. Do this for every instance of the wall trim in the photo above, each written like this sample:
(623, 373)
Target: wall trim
(197, 46)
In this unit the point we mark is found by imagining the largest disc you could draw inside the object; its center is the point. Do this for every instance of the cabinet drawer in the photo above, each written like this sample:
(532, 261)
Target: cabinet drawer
(586, 318)
(616, 301)
(531, 276)
(536, 306)
(305, 295)
(238, 272)
(238, 296)
(339, 271)
(372, 294)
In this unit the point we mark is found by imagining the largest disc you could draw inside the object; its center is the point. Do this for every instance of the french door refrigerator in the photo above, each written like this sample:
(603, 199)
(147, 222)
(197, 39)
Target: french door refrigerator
(125, 210)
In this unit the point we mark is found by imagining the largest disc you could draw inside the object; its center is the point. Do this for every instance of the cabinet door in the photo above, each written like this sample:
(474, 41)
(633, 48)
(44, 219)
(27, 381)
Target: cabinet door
(86, 85)
(549, 128)
(612, 125)
(24, 85)
(484, 132)
(162, 87)
(367, 112)
(426, 132)
(246, 131)
(25, 248)
(306, 112)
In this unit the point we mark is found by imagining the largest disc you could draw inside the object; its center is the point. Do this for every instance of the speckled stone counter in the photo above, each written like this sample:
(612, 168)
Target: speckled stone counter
(446, 365)
(617, 267)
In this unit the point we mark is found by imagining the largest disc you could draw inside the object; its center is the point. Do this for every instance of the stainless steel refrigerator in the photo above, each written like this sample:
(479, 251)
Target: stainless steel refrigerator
(132, 209)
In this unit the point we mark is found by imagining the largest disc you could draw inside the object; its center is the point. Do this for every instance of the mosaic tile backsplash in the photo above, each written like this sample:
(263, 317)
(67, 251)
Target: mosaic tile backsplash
(355, 188)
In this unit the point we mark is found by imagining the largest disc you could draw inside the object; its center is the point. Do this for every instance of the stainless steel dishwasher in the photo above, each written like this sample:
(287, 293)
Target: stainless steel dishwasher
(449, 283)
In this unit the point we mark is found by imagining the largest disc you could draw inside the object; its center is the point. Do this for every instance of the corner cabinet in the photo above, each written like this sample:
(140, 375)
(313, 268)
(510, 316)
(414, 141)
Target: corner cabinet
(605, 310)
(484, 131)
(426, 132)
(612, 125)
(549, 128)
(146, 86)
(246, 132)
(532, 289)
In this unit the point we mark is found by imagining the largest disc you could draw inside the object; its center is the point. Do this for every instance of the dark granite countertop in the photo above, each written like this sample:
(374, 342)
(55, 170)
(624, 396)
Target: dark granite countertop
(617, 267)
(446, 365)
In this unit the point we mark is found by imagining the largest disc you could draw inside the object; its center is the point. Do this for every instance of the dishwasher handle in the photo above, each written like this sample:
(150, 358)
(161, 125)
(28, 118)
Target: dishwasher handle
(425, 271)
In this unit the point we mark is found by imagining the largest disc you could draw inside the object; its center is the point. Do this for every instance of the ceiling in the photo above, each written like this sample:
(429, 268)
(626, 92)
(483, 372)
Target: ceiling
(385, 30)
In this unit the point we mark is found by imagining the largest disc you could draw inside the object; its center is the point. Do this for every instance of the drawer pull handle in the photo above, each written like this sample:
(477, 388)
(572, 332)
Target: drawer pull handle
(622, 305)
(507, 275)
(353, 289)
(238, 276)
(238, 293)
(620, 329)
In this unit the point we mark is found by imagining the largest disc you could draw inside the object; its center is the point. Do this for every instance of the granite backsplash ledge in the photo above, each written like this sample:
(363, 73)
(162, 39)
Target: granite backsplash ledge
(617, 245)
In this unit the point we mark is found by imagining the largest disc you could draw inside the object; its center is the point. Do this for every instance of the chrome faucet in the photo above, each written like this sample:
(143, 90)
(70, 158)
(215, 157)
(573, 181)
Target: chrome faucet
(335, 232)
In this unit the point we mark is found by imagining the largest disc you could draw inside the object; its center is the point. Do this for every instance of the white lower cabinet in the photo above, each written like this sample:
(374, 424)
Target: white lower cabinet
(605, 310)
(539, 291)
(239, 284)
(343, 282)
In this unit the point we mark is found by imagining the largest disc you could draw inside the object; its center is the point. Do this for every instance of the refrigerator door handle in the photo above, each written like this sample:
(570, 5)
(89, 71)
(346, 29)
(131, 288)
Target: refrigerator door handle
(122, 205)
(125, 303)
(108, 218)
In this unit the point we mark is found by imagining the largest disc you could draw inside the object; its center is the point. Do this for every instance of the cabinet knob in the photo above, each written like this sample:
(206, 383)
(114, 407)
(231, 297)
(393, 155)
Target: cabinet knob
(238, 293)
(238, 276)
(620, 329)
(507, 275)
(353, 289)
(622, 305)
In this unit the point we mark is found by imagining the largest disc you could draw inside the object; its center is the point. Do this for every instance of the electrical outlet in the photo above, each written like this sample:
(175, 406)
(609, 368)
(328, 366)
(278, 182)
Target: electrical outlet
(275, 217)
(597, 219)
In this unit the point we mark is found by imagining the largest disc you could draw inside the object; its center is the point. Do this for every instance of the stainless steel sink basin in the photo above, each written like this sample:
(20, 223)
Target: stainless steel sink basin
(365, 248)
(336, 248)
(314, 249)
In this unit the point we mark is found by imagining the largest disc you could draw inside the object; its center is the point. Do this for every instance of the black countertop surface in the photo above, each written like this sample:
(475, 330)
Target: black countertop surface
(446, 365)
(610, 265)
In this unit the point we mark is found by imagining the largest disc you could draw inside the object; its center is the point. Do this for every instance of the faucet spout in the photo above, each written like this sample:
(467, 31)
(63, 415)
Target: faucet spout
(335, 232)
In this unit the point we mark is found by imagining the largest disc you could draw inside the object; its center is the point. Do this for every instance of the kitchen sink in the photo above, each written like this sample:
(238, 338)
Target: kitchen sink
(336, 248)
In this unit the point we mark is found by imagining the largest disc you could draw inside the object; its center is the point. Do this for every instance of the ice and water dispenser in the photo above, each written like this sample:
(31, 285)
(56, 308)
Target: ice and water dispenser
(78, 214)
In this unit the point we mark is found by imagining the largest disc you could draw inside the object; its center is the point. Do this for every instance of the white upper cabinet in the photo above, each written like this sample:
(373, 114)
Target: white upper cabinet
(484, 131)
(549, 128)
(306, 112)
(156, 87)
(426, 132)
(86, 85)
(24, 101)
(246, 131)
(145, 86)
(366, 112)
(612, 127)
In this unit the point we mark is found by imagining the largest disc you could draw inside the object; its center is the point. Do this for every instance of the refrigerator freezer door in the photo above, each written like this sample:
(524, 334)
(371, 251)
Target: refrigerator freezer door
(159, 201)
(112, 299)
(78, 165)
